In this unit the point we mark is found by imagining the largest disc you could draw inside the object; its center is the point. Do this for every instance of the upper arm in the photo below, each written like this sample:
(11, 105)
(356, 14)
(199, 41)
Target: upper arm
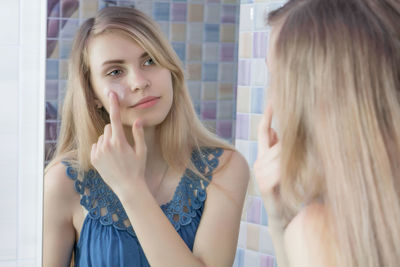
(58, 230)
(309, 239)
(216, 237)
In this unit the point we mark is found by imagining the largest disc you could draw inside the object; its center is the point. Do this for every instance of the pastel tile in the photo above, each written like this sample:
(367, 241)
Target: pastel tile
(253, 153)
(224, 129)
(144, 6)
(264, 216)
(195, 33)
(228, 33)
(51, 110)
(164, 25)
(253, 186)
(258, 72)
(230, 1)
(51, 131)
(180, 49)
(261, 9)
(178, 32)
(53, 8)
(257, 100)
(245, 44)
(52, 89)
(239, 258)
(65, 50)
(253, 235)
(213, 1)
(244, 72)
(209, 111)
(212, 13)
(53, 28)
(227, 52)
(209, 91)
(161, 11)
(260, 41)
(243, 99)
(246, 17)
(242, 126)
(63, 67)
(88, 8)
(194, 71)
(210, 72)
(225, 109)
(211, 32)
(242, 239)
(254, 210)
(194, 52)
(51, 69)
(68, 28)
(210, 52)
(254, 122)
(228, 14)
(252, 258)
(266, 245)
(70, 10)
(241, 145)
(196, 13)
(267, 260)
(225, 91)
(227, 72)
(53, 49)
(194, 90)
(179, 11)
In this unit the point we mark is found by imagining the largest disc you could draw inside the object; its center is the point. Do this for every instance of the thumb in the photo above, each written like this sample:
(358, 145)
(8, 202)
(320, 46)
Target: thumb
(138, 136)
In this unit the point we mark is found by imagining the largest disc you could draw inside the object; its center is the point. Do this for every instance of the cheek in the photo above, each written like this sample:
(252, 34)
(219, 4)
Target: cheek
(120, 90)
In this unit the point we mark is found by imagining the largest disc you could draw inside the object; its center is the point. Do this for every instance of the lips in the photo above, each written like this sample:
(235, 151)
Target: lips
(146, 99)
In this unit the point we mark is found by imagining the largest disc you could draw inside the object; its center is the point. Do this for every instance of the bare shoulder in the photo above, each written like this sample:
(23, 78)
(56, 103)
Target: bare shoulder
(58, 187)
(232, 174)
(309, 239)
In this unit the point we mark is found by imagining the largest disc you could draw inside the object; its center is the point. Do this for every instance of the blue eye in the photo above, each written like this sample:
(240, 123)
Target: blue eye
(113, 73)
(149, 62)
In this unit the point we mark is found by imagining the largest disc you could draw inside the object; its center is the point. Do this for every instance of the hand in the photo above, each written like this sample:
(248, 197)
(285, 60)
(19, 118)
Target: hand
(267, 169)
(119, 164)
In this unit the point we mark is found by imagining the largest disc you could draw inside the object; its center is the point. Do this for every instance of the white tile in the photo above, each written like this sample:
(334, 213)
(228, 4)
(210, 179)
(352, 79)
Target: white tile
(258, 72)
(246, 17)
(242, 240)
(12, 263)
(8, 107)
(9, 22)
(27, 263)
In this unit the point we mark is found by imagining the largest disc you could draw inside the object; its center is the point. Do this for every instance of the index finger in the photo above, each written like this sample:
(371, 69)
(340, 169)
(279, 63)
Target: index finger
(115, 117)
(263, 130)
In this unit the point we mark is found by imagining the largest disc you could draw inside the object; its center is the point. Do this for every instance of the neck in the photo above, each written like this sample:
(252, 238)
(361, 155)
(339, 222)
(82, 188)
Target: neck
(154, 162)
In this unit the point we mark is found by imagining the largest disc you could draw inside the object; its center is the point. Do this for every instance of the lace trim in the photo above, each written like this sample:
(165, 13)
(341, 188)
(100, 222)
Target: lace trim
(103, 204)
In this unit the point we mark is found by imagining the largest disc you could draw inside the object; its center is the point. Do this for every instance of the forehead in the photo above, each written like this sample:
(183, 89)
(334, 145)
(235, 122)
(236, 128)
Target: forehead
(112, 45)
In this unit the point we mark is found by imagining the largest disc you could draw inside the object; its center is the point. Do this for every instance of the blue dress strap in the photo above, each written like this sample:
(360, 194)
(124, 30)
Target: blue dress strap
(103, 204)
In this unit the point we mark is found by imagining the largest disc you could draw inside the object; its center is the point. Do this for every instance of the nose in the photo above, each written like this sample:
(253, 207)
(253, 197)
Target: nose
(139, 80)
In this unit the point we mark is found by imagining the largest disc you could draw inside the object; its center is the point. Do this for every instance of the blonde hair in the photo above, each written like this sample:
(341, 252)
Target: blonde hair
(82, 123)
(336, 85)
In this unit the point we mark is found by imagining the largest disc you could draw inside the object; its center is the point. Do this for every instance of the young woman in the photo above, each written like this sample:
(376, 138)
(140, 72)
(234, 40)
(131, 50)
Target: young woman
(136, 179)
(330, 175)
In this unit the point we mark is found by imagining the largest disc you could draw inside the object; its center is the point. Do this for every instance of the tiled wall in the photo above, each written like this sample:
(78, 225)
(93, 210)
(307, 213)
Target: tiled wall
(255, 246)
(21, 131)
(204, 34)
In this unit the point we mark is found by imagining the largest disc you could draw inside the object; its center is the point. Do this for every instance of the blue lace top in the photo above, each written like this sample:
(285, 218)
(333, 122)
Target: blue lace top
(107, 237)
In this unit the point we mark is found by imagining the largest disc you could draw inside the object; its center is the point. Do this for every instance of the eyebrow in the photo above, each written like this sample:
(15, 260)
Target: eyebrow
(121, 61)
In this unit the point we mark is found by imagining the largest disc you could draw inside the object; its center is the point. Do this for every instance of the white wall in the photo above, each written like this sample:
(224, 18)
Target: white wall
(22, 47)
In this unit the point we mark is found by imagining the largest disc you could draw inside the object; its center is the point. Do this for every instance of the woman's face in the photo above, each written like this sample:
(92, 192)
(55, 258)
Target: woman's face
(144, 89)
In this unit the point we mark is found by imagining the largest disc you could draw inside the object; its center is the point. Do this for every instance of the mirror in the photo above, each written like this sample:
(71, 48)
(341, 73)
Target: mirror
(204, 35)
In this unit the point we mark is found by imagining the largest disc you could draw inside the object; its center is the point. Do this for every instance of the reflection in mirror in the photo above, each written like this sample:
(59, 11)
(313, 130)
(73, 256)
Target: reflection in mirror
(128, 157)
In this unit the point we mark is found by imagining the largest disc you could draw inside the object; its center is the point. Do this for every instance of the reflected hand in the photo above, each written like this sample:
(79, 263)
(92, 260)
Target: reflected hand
(267, 169)
(119, 164)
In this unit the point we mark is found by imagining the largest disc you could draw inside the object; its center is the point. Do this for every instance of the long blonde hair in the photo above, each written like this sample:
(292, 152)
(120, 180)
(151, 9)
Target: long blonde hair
(82, 123)
(336, 86)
